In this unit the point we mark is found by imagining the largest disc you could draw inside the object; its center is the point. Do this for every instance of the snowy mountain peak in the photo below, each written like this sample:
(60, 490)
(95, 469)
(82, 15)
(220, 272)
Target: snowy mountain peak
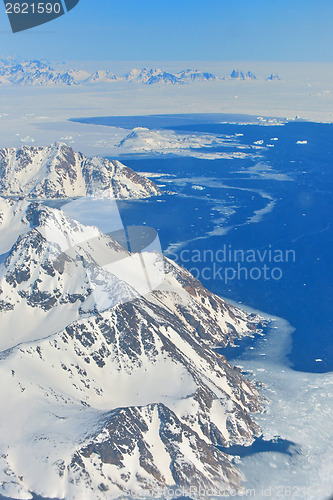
(237, 74)
(87, 401)
(151, 76)
(250, 75)
(196, 75)
(34, 72)
(274, 76)
(59, 172)
(102, 76)
(41, 73)
(78, 75)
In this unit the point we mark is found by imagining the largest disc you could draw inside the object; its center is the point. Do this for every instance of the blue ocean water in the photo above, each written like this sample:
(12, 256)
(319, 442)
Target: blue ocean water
(216, 208)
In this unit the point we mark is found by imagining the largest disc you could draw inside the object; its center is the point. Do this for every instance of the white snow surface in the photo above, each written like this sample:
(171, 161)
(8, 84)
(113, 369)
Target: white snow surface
(33, 408)
(299, 410)
(41, 114)
(40, 73)
(70, 374)
(164, 142)
(57, 171)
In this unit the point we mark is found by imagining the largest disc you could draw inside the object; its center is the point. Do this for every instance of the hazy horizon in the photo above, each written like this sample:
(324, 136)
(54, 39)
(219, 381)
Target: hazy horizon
(264, 30)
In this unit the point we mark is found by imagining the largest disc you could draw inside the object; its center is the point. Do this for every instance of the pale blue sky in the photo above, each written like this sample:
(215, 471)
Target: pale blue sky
(271, 30)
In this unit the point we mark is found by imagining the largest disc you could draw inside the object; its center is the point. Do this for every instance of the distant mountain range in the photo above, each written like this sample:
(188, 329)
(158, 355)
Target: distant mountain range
(152, 76)
(37, 73)
(41, 73)
(240, 75)
(274, 76)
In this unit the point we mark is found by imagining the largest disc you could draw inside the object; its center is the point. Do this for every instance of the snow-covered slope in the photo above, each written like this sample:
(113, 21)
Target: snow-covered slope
(41, 73)
(274, 76)
(150, 76)
(102, 76)
(59, 172)
(240, 75)
(196, 75)
(128, 398)
(143, 140)
(37, 73)
(79, 75)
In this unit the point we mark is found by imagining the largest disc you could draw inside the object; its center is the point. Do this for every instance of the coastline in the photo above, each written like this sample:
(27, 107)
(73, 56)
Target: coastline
(298, 407)
(289, 415)
(40, 115)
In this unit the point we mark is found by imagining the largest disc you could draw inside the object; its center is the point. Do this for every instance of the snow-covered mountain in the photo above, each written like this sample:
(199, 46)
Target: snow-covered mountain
(165, 142)
(250, 75)
(96, 403)
(274, 76)
(240, 75)
(59, 172)
(196, 75)
(35, 73)
(79, 75)
(150, 76)
(41, 73)
(102, 76)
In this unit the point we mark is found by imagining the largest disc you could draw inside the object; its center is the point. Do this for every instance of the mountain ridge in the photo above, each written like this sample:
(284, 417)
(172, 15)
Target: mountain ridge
(57, 171)
(41, 73)
(68, 431)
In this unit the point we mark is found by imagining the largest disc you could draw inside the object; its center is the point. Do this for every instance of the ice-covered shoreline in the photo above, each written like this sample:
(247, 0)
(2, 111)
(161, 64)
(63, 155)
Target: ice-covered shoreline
(299, 410)
(300, 407)
(41, 115)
